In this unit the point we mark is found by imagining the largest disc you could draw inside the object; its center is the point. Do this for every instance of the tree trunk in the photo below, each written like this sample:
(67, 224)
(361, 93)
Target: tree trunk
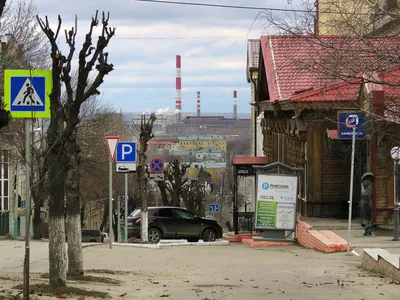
(144, 207)
(105, 216)
(75, 257)
(83, 209)
(37, 222)
(176, 202)
(163, 190)
(57, 252)
(144, 225)
(115, 225)
(39, 192)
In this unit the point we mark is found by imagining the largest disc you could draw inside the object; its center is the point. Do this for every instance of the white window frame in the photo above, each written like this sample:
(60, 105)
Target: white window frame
(3, 198)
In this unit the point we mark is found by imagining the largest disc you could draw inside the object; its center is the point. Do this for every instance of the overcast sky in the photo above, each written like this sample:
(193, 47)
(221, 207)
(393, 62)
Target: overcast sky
(211, 41)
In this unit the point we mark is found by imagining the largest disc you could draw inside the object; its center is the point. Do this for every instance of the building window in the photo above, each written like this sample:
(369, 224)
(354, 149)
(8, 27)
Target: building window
(4, 180)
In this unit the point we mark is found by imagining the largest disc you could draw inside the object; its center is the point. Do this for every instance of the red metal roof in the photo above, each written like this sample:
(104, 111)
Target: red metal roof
(342, 91)
(250, 160)
(294, 63)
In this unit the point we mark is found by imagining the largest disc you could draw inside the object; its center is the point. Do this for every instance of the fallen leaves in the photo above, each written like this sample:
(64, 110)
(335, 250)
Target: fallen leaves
(123, 294)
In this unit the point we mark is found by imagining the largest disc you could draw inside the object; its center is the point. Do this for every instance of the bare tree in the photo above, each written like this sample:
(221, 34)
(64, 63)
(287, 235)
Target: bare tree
(63, 159)
(145, 135)
(194, 195)
(176, 177)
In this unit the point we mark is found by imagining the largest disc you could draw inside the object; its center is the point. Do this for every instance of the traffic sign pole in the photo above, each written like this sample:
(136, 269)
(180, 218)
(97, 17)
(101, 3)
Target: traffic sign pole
(118, 239)
(28, 128)
(112, 142)
(353, 146)
(126, 208)
(222, 197)
(110, 203)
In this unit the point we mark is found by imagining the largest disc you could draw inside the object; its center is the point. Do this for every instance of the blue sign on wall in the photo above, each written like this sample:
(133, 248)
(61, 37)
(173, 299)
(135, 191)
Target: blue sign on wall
(347, 120)
(126, 152)
(214, 208)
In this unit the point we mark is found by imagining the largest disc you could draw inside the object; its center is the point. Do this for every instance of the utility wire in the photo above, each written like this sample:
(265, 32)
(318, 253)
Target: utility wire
(252, 7)
(224, 5)
(174, 38)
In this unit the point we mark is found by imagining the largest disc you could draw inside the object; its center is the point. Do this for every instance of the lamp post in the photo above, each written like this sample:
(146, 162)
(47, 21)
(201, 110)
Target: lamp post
(395, 154)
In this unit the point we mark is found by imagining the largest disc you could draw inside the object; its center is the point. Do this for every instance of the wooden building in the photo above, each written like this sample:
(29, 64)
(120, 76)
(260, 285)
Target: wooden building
(300, 129)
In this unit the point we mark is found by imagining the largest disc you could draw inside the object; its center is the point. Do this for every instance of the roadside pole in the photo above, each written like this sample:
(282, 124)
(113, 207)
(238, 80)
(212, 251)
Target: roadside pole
(110, 204)
(221, 201)
(353, 146)
(28, 125)
(112, 142)
(126, 208)
(118, 239)
(396, 203)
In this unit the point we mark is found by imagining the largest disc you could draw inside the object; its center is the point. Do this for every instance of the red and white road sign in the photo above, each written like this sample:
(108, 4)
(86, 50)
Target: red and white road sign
(112, 142)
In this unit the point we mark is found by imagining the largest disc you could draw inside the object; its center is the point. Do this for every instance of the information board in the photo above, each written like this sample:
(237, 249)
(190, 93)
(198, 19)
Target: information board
(276, 202)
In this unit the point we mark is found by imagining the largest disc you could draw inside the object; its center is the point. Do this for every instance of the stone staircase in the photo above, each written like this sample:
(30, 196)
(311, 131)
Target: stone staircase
(382, 261)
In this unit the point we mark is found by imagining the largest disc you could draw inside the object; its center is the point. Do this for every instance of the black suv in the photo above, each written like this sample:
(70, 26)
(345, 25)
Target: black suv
(173, 222)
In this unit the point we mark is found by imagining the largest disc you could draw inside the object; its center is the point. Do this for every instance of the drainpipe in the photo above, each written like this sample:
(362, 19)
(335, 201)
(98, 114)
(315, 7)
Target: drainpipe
(255, 114)
(374, 182)
(305, 174)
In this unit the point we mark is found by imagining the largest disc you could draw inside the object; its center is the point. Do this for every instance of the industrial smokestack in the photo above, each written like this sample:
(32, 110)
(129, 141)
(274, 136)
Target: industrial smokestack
(178, 98)
(235, 105)
(198, 104)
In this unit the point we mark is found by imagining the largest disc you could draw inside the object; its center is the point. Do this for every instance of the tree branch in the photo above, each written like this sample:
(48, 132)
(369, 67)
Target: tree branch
(66, 76)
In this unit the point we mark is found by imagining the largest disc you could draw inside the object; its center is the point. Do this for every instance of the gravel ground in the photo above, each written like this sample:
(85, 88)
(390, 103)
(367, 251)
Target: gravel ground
(227, 272)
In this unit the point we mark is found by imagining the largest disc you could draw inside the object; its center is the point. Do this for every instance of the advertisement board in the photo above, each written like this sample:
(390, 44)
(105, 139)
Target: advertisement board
(276, 202)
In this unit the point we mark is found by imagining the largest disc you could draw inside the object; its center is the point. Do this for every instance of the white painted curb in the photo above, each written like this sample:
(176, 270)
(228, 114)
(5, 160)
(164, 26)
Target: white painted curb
(151, 246)
(170, 243)
(166, 243)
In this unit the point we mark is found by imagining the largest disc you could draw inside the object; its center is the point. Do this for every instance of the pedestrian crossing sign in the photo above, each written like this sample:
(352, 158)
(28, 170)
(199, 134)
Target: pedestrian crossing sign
(27, 93)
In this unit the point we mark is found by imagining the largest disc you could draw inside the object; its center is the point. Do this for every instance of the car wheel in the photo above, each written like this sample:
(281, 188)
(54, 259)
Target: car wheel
(154, 235)
(195, 240)
(209, 235)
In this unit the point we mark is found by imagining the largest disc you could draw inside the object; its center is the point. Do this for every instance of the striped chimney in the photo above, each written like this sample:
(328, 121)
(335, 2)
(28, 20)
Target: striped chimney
(235, 105)
(178, 98)
(198, 104)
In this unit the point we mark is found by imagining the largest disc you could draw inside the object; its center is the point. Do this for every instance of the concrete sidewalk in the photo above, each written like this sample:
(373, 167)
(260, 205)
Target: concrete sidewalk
(380, 239)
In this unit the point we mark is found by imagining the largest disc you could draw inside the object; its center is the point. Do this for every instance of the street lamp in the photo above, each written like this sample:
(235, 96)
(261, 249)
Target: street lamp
(395, 154)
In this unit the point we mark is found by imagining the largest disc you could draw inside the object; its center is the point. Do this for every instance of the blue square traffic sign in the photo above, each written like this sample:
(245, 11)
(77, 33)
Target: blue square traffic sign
(214, 207)
(126, 152)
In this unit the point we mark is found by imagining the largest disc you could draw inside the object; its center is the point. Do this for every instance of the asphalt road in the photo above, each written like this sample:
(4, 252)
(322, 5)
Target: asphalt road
(214, 272)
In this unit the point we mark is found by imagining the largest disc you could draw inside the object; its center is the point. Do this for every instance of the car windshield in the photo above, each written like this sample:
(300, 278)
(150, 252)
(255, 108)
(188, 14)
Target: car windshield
(135, 214)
